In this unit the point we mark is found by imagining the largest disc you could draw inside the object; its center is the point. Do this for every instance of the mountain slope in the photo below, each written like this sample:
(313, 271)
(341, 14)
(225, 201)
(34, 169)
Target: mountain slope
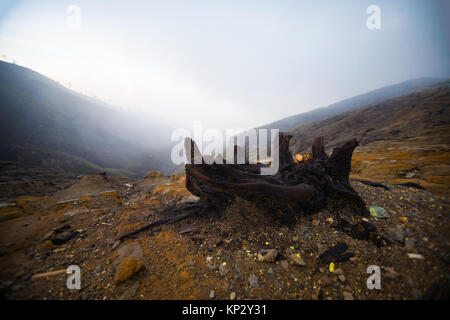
(353, 103)
(405, 139)
(43, 123)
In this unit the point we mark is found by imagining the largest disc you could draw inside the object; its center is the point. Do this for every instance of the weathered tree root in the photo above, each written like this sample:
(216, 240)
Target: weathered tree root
(372, 184)
(189, 209)
(362, 230)
(296, 187)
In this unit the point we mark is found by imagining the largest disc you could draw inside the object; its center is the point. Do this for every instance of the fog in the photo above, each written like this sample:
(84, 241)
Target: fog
(230, 64)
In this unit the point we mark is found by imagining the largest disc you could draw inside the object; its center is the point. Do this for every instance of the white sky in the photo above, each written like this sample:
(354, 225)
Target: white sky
(231, 64)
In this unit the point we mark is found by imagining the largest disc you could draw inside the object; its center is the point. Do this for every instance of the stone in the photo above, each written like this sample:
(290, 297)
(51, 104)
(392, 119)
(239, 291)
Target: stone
(211, 267)
(115, 245)
(296, 259)
(188, 229)
(189, 198)
(209, 264)
(327, 280)
(285, 264)
(130, 292)
(389, 273)
(233, 296)
(289, 251)
(412, 214)
(396, 234)
(341, 278)
(378, 212)
(127, 268)
(253, 281)
(270, 271)
(348, 295)
(304, 231)
(64, 237)
(75, 212)
(267, 255)
(152, 175)
(338, 271)
(409, 244)
(48, 235)
(416, 256)
(132, 250)
(336, 253)
(417, 294)
(48, 245)
(223, 271)
(212, 294)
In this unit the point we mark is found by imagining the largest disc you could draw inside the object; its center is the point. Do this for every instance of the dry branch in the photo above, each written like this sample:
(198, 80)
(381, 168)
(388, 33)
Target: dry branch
(188, 209)
(49, 274)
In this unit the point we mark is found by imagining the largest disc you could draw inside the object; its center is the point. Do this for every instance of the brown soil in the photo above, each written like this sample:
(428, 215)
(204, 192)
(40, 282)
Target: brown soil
(175, 258)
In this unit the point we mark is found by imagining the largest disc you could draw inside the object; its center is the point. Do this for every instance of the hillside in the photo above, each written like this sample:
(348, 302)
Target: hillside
(353, 103)
(51, 219)
(405, 139)
(44, 124)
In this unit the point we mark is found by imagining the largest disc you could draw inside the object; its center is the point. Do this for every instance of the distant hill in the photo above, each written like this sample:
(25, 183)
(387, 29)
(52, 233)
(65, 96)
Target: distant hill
(353, 103)
(405, 139)
(45, 124)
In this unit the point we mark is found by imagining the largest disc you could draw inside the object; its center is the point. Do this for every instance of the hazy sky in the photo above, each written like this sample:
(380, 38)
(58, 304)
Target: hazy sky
(232, 64)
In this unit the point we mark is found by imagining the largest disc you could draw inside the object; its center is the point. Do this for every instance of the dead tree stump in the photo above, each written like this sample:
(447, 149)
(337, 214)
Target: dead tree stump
(295, 188)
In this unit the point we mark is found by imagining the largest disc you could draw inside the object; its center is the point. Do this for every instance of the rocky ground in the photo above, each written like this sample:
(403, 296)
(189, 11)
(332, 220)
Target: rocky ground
(17, 179)
(244, 252)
